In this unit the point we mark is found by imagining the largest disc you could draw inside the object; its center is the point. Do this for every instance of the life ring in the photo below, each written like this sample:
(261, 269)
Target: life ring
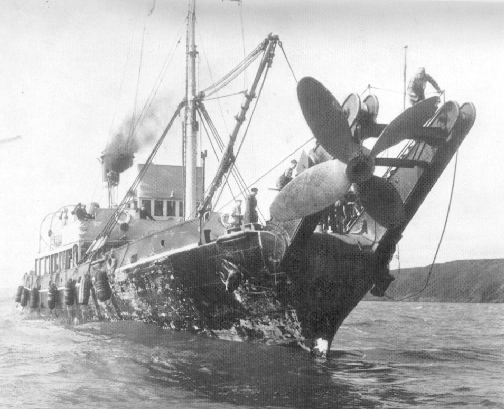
(25, 297)
(52, 296)
(123, 217)
(102, 286)
(69, 292)
(225, 220)
(85, 290)
(34, 298)
(19, 293)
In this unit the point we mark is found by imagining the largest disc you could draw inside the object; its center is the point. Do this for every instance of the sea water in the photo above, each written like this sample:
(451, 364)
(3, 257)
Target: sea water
(386, 354)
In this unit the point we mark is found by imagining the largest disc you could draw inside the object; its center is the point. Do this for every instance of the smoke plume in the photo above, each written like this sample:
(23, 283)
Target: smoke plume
(131, 136)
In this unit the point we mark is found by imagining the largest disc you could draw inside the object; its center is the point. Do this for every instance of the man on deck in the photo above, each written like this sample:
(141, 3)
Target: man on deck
(251, 215)
(416, 86)
(236, 215)
(145, 213)
(286, 177)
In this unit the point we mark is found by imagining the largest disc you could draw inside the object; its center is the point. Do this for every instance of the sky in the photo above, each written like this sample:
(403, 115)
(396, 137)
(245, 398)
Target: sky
(71, 74)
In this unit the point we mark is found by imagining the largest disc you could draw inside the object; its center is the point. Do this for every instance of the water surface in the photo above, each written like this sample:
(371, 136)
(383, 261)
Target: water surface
(385, 355)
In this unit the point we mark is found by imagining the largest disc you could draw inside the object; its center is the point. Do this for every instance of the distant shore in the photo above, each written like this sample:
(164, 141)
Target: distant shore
(467, 281)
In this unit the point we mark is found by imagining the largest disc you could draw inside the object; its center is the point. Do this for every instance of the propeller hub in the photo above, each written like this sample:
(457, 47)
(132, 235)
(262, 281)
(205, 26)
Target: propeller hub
(360, 167)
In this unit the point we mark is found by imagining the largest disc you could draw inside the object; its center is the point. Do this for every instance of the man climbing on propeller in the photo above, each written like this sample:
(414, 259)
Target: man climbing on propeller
(416, 86)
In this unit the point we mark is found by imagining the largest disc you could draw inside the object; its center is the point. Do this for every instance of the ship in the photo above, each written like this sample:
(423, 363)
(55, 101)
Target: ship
(290, 280)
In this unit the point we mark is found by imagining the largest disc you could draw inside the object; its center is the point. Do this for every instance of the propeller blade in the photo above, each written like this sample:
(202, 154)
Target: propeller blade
(381, 201)
(326, 118)
(311, 191)
(400, 128)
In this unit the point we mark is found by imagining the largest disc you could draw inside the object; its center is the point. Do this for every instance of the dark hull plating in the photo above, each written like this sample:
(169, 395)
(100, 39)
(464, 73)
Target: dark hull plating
(188, 292)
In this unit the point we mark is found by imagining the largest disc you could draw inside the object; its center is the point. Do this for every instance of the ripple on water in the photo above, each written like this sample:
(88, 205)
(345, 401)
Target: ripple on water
(386, 355)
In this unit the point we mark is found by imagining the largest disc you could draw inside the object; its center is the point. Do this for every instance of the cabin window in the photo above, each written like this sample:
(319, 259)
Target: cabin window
(158, 208)
(180, 208)
(68, 258)
(75, 254)
(54, 263)
(170, 208)
(47, 264)
(37, 267)
(147, 204)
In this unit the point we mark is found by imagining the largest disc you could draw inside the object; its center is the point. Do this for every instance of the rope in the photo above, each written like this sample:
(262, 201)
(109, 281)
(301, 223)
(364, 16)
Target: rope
(234, 169)
(133, 123)
(288, 62)
(253, 111)
(235, 72)
(240, 182)
(368, 88)
(385, 89)
(122, 82)
(272, 168)
(226, 95)
(243, 43)
(238, 179)
(213, 149)
(235, 166)
(440, 239)
(202, 48)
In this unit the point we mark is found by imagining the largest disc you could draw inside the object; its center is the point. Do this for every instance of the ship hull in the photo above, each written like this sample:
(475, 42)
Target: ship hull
(190, 291)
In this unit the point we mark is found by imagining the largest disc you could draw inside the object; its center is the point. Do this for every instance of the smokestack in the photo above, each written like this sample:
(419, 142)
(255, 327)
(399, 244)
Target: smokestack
(131, 136)
(113, 165)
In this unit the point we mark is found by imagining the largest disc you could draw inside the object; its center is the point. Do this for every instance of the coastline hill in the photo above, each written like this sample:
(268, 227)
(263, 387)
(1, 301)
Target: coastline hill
(475, 281)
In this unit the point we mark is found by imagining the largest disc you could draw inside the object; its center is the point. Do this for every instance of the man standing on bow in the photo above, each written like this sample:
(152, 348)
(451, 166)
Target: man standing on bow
(251, 215)
(286, 177)
(416, 86)
(236, 215)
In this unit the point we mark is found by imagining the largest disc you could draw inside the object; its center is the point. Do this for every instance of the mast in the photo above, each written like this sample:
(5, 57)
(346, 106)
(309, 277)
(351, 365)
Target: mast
(404, 77)
(190, 124)
(228, 157)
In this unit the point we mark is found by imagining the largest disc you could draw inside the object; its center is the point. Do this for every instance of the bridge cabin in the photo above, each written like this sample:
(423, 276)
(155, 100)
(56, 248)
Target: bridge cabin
(64, 238)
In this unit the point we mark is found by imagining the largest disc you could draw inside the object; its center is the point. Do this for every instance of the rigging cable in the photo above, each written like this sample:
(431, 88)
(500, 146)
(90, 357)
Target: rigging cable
(220, 144)
(219, 85)
(202, 48)
(235, 72)
(288, 62)
(253, 111)
(243, 43)
(250, 119)
(160, 78)
(213, 149)
(226, 95)
(133, 122)
(272, 168)
(240, 183)
(122, 81)
(209, 121)
(234, 166)
(440, 239)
